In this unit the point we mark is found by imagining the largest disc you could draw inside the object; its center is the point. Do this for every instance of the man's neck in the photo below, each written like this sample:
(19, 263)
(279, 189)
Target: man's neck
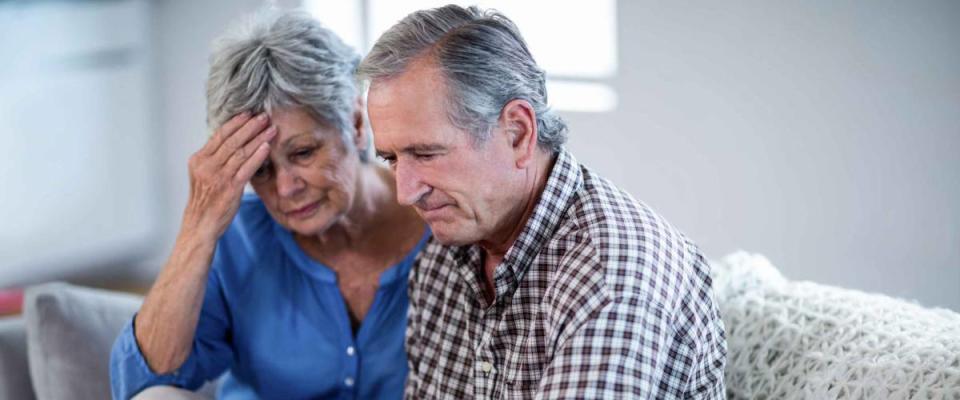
(496, 248)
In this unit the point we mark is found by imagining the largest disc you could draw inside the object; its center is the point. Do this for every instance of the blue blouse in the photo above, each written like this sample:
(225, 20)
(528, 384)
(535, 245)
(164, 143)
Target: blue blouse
(276, 320)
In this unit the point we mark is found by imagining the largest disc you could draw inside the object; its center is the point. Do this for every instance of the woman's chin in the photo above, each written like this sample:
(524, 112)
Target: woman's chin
(310, 227)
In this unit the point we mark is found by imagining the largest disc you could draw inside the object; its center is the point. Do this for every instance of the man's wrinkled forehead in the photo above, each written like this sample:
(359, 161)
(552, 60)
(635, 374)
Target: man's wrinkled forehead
(406, 109)
(421, 76)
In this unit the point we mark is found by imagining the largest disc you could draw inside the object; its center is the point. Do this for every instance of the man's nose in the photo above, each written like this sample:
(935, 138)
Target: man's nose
(288, 182)
(410, 185)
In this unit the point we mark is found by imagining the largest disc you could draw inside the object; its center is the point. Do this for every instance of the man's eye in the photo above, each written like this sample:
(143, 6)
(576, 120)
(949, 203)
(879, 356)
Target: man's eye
(425, 156)
(388, 159)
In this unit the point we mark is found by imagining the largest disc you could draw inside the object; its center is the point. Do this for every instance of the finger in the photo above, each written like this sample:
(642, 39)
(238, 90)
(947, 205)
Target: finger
(244, 153)
(225, 131)
(240, 138)
(250, 166)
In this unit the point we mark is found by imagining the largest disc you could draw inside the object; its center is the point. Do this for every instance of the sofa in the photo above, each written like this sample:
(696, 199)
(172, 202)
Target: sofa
(786, 340)
(802, 340)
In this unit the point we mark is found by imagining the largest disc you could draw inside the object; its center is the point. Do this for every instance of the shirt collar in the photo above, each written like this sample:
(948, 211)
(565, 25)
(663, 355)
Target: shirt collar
(564, 182)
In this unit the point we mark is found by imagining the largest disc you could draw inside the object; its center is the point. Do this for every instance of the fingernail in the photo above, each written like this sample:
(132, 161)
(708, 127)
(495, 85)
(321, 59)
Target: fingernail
(262, 117)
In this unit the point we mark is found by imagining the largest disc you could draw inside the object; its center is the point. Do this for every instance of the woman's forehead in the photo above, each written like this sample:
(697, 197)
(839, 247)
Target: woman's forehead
(292, 123)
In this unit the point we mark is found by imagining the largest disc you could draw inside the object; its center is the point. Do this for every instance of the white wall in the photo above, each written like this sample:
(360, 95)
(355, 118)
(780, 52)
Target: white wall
(823, 134)
(78, 176)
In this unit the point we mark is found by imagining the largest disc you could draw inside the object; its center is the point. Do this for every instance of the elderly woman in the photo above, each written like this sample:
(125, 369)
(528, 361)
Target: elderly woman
(298, 291)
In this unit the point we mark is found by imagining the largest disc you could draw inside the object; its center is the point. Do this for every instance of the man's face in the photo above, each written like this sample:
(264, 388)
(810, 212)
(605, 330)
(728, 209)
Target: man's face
(463, 189)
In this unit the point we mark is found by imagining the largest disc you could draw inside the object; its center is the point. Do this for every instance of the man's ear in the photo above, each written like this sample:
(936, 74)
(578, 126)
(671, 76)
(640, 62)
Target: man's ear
(519, 122)
(360, 126)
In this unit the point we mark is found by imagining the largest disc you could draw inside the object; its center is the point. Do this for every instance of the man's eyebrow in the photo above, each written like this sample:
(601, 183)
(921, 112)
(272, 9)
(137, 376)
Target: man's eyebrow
(415, 148)
(423, 147)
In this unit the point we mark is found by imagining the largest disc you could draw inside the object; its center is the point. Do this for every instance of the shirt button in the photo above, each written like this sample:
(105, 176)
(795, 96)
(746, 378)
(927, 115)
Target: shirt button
(351, 351)
(348, 382)
(486, 367)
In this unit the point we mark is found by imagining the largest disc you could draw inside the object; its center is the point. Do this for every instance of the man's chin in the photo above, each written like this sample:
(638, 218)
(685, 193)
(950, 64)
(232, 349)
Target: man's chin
(448, 236)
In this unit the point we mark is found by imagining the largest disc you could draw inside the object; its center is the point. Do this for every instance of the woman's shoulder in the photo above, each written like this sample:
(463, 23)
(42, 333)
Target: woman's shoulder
(249, 241)
(251, 227)
(252, 216)
(252, 206)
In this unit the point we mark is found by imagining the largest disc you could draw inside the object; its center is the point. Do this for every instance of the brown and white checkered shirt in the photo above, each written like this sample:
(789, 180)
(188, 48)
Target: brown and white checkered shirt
(598, 298)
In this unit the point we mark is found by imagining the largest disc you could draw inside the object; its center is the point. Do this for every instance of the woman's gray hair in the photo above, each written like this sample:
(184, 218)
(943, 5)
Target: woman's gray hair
(278, 59)
(485, 63)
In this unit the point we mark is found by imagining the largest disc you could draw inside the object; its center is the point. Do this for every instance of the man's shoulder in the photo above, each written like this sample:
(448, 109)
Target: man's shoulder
(614, 253)
(636, 250)
(615, 222)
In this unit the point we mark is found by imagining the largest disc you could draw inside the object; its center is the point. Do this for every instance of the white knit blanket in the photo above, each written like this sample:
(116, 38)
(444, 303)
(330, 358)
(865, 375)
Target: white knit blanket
(801, 340)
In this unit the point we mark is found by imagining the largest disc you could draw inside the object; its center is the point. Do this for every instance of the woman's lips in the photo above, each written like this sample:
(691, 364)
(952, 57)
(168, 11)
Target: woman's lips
(304, 211)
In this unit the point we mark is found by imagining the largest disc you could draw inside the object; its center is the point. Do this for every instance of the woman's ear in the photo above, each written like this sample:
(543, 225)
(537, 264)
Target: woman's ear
(360, 126)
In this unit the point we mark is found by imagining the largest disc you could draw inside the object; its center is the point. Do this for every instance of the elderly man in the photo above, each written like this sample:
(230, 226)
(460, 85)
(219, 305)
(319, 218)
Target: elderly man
(543, 280)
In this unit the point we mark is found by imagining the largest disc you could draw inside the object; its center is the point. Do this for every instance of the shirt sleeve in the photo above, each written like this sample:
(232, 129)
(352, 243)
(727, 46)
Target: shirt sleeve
(211, 352)
(628, 348)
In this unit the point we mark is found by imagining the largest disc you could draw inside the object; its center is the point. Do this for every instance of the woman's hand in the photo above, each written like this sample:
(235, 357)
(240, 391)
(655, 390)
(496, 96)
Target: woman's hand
(165, 326)
(219, 171)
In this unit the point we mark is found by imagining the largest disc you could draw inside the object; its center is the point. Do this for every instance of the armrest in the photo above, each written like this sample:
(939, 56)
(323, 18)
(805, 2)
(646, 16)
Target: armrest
(14, 370)
(70, 331)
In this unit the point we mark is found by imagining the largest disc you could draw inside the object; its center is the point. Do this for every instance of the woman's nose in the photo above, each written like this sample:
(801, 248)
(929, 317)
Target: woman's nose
(288, 182)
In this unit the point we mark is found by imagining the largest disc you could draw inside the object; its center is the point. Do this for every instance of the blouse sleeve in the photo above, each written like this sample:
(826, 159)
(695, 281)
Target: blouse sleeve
(211, 352)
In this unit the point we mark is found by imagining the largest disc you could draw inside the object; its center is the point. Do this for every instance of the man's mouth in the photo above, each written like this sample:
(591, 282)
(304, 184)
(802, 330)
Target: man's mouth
(433, 210)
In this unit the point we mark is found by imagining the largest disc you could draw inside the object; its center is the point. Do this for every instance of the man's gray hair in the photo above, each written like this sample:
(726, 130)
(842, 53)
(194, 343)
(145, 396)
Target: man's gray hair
(280, 59)
(485, 63)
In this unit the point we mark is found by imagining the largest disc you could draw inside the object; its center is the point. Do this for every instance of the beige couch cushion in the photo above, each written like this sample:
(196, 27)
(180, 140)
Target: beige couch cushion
(14, 375)
(801, 340)
(70, 331)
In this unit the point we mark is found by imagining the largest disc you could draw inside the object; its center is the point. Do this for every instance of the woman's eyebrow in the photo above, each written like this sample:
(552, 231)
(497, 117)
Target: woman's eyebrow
(290, 139)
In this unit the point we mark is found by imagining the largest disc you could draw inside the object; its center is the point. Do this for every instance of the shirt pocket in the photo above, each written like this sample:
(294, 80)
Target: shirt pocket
(526, 363)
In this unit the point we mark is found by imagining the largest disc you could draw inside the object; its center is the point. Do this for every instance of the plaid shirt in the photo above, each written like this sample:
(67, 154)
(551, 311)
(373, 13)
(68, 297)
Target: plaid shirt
(598, 298)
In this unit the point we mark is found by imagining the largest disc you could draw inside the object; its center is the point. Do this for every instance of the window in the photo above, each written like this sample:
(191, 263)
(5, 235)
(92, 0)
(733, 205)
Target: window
(575, 42)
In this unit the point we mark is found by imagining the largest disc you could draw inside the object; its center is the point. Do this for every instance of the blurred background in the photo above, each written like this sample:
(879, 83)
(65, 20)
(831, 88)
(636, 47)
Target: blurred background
(822, 134)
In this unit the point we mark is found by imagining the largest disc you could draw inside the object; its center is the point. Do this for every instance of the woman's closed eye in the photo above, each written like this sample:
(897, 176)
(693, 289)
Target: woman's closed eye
(303, 153)
(263, 172)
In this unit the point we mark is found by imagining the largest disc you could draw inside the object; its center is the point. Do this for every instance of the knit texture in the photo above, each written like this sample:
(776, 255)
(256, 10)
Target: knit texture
(802, 340)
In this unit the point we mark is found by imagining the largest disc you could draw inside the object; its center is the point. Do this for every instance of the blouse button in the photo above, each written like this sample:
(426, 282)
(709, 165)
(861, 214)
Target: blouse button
(351, 351)
(348, 382)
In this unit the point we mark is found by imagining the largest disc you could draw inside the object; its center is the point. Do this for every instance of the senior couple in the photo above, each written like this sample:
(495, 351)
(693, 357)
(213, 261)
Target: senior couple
(485, 262)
